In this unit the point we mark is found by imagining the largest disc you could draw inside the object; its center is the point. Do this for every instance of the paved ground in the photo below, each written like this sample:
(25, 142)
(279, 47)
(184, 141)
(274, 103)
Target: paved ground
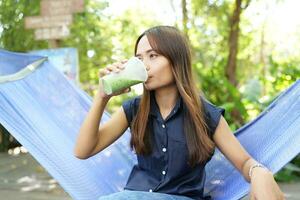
(22, 178)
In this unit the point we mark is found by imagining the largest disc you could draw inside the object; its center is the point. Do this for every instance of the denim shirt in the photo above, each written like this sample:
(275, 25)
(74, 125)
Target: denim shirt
(167, 170)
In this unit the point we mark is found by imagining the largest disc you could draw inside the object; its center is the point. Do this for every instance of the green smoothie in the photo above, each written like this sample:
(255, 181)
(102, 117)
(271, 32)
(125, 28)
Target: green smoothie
(113, 85)
(133, 73)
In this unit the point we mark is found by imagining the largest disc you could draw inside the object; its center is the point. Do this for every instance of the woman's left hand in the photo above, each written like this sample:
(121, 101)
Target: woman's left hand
(264, 187)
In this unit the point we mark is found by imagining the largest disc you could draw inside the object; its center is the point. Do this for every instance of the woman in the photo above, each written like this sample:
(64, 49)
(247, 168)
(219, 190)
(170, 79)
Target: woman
(174, 129)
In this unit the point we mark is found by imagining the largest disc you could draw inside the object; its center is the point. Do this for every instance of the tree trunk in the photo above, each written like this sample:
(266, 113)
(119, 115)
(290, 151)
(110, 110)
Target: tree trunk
(230, 70)
(53, 44)
(184, 17)
(233, 43)
(262, 57)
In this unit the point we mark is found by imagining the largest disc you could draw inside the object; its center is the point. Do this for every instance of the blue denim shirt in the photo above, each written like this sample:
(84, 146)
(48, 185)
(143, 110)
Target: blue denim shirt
(167, 170)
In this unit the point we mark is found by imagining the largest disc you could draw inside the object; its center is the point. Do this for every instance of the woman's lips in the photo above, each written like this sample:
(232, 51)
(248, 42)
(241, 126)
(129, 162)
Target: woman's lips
(149, 77)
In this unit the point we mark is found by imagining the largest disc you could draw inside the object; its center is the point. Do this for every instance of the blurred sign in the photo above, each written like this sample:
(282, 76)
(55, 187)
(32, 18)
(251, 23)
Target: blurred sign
(64, 59)
(55, 18)
(52, 33)
(48, 21)
(61, 7)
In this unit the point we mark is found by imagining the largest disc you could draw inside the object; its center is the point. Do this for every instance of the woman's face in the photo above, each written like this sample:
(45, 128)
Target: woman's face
(158, 67)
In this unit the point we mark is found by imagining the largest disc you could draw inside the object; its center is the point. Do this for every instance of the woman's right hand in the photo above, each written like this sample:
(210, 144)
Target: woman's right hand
(116, 68)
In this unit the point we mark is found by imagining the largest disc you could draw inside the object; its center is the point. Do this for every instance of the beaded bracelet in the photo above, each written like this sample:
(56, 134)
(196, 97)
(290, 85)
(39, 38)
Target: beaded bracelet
(254, 166)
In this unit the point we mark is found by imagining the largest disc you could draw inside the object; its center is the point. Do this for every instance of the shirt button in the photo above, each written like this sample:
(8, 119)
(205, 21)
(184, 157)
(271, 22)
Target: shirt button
(164, 149)
(150, 190)
(163, 172)
(163, 126)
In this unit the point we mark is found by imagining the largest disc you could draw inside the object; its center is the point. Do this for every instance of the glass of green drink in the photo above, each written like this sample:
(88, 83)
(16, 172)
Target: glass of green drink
(134, 73)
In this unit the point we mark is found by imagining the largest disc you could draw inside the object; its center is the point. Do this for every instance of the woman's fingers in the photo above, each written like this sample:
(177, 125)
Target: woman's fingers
(102, 72)
(124, 61)
(119, 66)
(110, 68)
(125, 90)
(115, 67)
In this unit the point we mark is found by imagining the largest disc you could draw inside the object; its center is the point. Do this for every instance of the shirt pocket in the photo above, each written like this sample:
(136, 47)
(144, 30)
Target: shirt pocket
(178, 151)
(179, 156)
(177, 135)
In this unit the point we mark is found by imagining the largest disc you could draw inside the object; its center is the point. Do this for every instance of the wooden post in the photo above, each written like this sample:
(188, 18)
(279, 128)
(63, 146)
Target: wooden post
(53, 44)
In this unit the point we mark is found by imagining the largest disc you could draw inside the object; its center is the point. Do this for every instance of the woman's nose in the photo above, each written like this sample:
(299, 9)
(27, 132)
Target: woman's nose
(147, 66)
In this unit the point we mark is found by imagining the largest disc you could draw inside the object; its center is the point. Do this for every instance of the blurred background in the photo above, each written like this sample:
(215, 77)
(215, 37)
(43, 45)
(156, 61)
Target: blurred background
(245, 52)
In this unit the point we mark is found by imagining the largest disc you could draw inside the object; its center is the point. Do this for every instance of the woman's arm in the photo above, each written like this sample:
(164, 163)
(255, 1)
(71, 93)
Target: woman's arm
(232, 149)
(262, 182)
(88, 133)
(91, 138)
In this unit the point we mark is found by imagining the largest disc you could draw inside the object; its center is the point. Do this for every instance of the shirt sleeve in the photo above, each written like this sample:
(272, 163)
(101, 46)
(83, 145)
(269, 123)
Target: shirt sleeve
(130, 108)
(212, 115)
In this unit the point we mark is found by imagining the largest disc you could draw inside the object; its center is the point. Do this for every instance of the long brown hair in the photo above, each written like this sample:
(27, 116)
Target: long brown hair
(169, 42)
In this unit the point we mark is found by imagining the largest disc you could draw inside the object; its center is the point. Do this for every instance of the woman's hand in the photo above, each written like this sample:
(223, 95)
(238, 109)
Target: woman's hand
(263, 186)
(116, 68)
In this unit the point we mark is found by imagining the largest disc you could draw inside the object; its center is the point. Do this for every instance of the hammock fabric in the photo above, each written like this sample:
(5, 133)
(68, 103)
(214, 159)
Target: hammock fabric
(43, 111)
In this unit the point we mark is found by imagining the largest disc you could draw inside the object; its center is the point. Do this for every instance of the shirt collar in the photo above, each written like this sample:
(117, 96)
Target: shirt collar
(154, 109)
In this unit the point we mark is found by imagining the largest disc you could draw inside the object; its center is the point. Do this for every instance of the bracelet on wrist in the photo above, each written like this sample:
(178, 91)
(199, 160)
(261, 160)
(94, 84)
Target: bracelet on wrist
(255, 166)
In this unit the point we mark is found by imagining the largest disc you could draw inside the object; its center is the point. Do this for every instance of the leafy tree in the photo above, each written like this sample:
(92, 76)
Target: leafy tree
(13, 35)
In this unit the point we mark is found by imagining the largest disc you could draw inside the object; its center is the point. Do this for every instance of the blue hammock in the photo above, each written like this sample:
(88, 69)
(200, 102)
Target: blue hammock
(44, 111)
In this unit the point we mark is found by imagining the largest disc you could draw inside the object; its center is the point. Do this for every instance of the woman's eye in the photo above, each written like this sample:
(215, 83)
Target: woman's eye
(153, 55)
(140, 58)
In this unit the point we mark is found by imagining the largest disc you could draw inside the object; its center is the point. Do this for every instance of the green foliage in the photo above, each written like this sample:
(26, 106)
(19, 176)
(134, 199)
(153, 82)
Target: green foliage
(91, 35)
(14, 37)
(290, 172)
(260, 79)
